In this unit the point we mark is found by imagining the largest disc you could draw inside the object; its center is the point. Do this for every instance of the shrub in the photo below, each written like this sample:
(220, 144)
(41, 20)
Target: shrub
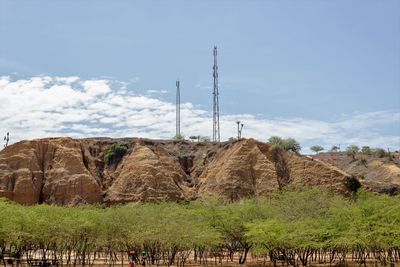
(179, 137)
(366, 150)
(288, 144)
(352, 151)
(379, 152)
(114, 153)
(353, 184)
(316, 149)
(276, 140)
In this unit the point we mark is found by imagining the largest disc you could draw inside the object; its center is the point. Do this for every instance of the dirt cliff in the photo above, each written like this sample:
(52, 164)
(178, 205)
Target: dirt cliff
(379, 174)
(69, 171)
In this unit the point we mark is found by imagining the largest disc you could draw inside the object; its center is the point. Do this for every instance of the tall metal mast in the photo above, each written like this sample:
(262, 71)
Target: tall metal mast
(178, 110)
(216, 129)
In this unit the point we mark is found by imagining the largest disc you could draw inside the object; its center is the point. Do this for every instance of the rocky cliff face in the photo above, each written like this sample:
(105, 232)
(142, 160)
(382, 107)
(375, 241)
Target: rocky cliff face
(69, 171)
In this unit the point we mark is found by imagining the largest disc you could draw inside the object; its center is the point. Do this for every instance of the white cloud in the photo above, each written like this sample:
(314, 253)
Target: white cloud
(156, 91)
(67, 106)
(67, 80)
(96, 87)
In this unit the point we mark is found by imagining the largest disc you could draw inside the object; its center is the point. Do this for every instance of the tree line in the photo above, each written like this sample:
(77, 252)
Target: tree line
(295, 227)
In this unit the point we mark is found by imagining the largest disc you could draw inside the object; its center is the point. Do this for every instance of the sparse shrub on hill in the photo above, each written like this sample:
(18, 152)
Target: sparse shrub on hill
(288, 144)
(366, 150)
(114, 153)
(276, 140)
(179, 137)
(379, 152)
(352, 151)
(317, 149)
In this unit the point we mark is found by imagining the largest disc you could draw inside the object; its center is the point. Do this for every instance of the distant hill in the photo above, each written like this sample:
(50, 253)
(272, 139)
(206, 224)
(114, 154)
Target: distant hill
(69, 171)
(379, 174)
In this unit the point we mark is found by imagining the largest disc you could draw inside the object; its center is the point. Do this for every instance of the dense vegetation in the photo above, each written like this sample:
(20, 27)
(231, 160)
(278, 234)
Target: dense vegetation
(295, 226)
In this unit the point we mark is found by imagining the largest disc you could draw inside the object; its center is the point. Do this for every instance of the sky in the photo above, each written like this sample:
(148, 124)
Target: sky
(323, 72)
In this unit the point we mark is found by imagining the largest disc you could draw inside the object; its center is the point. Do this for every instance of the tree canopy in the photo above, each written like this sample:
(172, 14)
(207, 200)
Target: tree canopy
(288, 144)
(294, 225)
(316, 149)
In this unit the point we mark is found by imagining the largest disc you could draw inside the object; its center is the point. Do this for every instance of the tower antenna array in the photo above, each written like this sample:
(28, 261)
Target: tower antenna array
(216, 129)
(178, 110)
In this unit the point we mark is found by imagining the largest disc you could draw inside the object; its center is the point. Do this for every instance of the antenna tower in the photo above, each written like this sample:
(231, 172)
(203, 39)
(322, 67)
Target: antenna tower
(178, 110)
(216, 129)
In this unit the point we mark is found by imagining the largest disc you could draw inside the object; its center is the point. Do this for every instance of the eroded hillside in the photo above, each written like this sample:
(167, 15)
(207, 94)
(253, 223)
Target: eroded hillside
(379, 174)
(71, 171)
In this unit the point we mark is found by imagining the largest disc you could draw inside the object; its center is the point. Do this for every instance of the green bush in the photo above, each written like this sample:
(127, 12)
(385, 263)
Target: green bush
(379, 152)
(316, 149)
(288, 144)
(114, 153)
(366, 150)
(352, 151)
(179, 137)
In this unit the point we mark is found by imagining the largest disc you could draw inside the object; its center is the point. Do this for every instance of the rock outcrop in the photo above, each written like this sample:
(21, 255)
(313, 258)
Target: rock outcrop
(149, 172)
(47, 171)
(72, 171)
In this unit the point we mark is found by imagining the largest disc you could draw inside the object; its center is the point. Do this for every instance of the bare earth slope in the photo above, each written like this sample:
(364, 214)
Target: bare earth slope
(379, 174)
(71, 171)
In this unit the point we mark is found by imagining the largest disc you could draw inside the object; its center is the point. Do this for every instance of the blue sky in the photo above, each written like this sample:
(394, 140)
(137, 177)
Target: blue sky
(327, 62)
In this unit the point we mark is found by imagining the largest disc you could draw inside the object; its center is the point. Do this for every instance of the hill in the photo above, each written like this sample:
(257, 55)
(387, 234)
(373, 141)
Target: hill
(69, 171)
(381, 174)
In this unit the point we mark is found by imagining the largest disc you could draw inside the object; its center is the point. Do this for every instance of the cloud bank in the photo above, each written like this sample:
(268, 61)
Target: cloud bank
(69, 106)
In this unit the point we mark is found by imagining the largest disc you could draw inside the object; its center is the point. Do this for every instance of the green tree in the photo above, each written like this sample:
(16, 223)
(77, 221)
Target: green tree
(296, 226)
(316, 149)
(352, 150)
(288, 144)
(366, 150)
(276, 140)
